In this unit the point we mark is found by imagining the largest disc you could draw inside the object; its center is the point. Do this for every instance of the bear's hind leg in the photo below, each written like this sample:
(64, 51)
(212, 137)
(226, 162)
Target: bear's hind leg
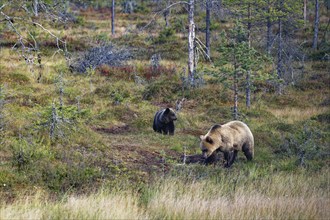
(247, 152)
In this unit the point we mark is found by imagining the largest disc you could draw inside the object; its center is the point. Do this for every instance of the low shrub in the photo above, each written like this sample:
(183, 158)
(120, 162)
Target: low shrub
(166, 35)
(108, 54)
(19, 78)
(117, 72)
(164, 89)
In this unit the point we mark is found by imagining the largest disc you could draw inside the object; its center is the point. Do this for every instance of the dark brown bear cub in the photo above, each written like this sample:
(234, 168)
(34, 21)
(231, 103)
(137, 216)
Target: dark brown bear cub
(164, 121)
(228, 138)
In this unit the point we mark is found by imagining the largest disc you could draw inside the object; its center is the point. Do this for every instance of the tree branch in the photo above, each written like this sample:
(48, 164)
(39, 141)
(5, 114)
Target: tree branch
(53, 35)
(165, 9)
(202, 46)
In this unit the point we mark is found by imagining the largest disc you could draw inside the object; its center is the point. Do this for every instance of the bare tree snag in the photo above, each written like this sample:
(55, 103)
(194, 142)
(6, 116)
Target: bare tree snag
(208, 24)
(316, 23)
(113, 17)
(191, 43)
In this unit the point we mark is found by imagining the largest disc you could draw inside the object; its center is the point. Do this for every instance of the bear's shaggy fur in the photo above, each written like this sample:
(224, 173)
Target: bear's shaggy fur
(164, 121)
(228, 138)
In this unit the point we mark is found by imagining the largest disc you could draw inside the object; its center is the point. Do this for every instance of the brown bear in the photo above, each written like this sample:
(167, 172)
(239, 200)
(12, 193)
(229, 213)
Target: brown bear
(228, 138)
(164, 121)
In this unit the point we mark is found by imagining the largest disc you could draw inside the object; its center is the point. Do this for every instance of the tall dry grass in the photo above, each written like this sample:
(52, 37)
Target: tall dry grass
(292, 114)
(277, 196)
(101, 205)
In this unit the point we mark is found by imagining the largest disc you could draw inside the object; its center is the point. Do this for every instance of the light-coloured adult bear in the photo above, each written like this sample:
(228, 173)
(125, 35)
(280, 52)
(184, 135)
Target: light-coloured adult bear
(228, 138)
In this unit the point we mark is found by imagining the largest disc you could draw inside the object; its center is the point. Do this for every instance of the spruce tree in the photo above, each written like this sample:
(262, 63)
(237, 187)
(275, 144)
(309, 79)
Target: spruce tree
(239, 64)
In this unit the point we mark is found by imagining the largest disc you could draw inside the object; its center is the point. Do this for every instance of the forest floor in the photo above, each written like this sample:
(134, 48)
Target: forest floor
(105, 152)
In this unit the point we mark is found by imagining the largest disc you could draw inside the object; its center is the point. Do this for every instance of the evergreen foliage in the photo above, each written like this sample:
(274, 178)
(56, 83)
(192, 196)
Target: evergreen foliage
(240, 65)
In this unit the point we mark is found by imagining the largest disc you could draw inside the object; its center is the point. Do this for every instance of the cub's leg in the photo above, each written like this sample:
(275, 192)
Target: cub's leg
(171, 128)
(165, 130)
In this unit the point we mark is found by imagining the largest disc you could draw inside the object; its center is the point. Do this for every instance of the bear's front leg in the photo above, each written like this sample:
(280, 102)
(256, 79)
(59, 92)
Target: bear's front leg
(171, 128)
(227, 157)
(165, 130)
(211, 159)
(230, 158)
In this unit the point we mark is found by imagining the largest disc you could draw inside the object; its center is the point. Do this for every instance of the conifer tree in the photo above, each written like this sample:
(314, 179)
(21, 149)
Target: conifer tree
(240, 64)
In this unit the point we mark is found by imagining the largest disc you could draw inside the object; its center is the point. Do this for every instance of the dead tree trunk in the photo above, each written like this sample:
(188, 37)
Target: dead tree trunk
(191, 44)
(269, 30)
(248, 89)
(208, 24)
(279, 68)
(316, 24)
(113, 17)
(305, 11)
(235, 85)
(167, 13)
(35, 7)
(248, 74)
(249, 25)
(235, 95)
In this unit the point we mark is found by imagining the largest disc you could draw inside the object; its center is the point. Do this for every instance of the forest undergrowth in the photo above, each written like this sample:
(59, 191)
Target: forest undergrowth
(80, 145)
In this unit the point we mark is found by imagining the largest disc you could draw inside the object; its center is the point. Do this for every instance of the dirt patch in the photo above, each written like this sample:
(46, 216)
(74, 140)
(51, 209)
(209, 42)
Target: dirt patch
(193, 132)
(136, 157)
(119, 129)
(163, 104)
(187, 104)
(198, 158)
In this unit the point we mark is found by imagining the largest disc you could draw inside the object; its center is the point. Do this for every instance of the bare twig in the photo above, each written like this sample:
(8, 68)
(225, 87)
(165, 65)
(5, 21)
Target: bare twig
(25, 46)
(202, 46)
(58, 40)
(162, 11)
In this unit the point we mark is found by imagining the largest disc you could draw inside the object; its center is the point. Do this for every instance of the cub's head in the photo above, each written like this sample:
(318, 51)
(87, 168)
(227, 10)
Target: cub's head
(209, 142)
(169, 115)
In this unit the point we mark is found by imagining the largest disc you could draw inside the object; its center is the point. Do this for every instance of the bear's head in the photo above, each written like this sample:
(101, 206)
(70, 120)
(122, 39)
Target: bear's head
(169, 115)
(210, 142)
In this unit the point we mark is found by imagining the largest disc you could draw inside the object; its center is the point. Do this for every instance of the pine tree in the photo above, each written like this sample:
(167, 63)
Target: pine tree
(240, 64)
(282, 19)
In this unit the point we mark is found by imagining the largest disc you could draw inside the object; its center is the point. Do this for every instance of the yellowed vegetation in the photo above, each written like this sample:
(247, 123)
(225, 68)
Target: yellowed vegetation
(279, 196)
(295, 114)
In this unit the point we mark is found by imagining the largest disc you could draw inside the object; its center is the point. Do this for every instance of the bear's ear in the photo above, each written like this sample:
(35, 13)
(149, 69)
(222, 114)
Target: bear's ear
(209, 140)
(215, 127)
(167, 110)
